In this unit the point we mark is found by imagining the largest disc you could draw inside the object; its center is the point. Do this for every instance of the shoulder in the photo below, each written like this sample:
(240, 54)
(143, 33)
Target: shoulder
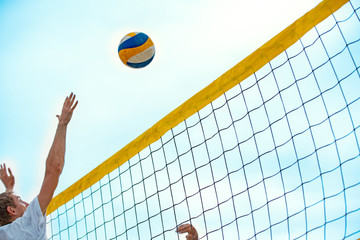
(4, 232)
(32, 225)
(34, 208)
(33, 216)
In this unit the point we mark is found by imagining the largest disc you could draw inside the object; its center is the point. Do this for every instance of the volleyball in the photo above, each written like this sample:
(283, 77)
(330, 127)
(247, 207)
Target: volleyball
(136, 50)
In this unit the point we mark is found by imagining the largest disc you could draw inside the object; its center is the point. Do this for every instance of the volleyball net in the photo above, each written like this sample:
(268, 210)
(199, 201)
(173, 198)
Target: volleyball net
(269, 150)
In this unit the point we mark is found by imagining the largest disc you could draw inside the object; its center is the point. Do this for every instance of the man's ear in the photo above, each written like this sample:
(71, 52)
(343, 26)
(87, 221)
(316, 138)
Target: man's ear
(11, 210)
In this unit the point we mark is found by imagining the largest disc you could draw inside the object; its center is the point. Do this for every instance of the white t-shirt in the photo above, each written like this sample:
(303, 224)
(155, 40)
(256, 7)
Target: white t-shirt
(31, 226)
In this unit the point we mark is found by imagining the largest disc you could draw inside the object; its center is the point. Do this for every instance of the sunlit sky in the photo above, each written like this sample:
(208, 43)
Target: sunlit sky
(51, 48)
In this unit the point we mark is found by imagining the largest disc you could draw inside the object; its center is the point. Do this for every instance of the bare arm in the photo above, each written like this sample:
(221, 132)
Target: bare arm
(55, 159)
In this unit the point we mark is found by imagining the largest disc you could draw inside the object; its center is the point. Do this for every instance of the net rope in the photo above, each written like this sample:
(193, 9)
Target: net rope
(277, 156)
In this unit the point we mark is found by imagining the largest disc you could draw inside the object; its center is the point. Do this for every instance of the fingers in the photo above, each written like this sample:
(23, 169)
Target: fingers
(72, 109)
(66, 102)
(3, 170)
(11, 175)
(4, 175)
(188, 228)
(185, 228)
(69, 105)
(69, 101)
(67, 110)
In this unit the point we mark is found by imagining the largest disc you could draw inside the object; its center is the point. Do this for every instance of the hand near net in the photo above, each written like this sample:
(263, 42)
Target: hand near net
(67, 110)
(188, 228)
(7, 178)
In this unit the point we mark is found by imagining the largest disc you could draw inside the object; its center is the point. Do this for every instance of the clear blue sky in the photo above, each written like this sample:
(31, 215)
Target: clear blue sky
(50, 48)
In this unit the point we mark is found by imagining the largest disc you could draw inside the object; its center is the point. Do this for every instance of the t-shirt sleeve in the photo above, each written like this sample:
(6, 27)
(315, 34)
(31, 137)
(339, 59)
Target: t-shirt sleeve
(33, 217)
(32, 225)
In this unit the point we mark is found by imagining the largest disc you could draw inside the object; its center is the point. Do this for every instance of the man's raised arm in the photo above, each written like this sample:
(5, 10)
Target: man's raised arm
(55, 159)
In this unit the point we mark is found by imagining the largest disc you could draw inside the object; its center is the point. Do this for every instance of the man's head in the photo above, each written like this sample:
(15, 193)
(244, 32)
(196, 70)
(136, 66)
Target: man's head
(11, 207)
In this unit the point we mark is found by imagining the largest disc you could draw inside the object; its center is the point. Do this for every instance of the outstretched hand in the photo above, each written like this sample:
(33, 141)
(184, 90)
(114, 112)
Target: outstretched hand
(7, 179)
(188, 228)
(67, 110)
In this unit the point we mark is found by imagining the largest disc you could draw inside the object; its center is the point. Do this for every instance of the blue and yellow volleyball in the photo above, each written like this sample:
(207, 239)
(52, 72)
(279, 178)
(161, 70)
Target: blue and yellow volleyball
(136, 50)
